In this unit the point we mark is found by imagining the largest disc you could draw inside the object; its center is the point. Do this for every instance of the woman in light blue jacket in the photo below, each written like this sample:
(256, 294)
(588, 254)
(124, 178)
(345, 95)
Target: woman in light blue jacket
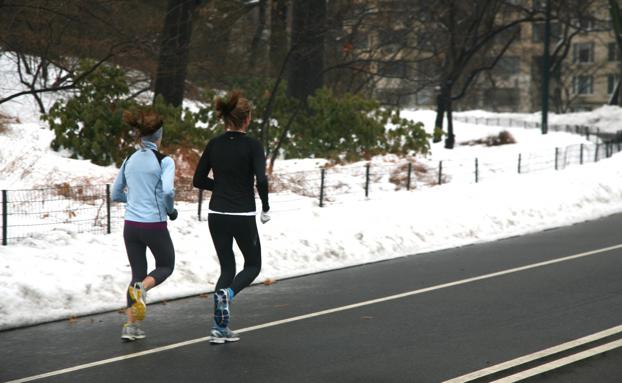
(146, 184)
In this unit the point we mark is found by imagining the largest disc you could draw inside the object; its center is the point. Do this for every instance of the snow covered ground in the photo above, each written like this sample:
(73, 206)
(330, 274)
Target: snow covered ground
(62, 273)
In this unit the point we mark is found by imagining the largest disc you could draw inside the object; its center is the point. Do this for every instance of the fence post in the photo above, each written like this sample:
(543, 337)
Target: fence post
(477, 170)
(606, 150)
(596, 153)
(440, 172)
(367, 180)
(556, 156)
(519, 162)
(108, 208)
(410, 170)
(200, 203)
(5, 213)
(323, 172)
(587, 133)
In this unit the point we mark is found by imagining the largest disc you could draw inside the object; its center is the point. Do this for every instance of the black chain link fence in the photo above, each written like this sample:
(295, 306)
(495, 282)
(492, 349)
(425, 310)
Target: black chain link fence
(88, 208)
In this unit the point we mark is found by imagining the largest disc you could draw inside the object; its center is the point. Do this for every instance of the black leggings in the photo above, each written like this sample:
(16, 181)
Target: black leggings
(225, 228)
(137, 239)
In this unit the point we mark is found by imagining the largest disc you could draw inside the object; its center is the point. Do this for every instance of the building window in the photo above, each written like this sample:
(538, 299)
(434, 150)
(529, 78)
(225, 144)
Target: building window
(392, 69)
(583, 84)
(392, 39)
(612, 82)
(508, 33)
(583, 53)
(613, 51)
(507, 66)
(538, 32)
(502, 97)
(360, 40)
(586, 24)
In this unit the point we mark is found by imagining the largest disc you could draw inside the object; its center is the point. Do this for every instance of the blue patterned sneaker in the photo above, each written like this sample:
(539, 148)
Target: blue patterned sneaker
(138, 295)
(221, 308)
(220, 335)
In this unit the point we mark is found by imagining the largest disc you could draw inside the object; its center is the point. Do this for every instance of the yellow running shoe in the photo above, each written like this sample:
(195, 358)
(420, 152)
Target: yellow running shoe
(137, 295)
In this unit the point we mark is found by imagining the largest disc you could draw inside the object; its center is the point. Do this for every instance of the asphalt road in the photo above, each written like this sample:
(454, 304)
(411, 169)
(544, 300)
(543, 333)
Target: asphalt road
(422, 318)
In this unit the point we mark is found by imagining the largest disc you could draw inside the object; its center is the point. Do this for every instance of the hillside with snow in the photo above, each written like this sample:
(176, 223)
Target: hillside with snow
(62, 272)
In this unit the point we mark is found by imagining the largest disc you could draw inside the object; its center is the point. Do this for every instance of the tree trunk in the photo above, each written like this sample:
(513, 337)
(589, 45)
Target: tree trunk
(306, 67)
(278, 35)
(256, 45)
(451, 139)
(173, 61)
(440, 114)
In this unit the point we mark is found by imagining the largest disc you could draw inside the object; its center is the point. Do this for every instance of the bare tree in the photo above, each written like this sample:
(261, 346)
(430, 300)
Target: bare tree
(260, 30)
(173, 63)
(278, 35)
(463, 41)
(47, 40)
(306, 66)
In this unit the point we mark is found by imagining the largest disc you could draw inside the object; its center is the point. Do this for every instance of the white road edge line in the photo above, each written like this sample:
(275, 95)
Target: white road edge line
(561, 362)
(535, 356)
(318, 313)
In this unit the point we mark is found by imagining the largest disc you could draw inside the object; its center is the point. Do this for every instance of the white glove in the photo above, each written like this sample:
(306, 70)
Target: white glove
(264, 217)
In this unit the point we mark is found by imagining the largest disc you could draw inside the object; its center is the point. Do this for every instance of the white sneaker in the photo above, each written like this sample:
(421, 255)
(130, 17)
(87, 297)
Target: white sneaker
(131, 332)
(221, 335)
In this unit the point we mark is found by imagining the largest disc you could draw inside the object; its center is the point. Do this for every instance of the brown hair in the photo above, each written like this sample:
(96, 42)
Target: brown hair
(147, 121)
(233, 109)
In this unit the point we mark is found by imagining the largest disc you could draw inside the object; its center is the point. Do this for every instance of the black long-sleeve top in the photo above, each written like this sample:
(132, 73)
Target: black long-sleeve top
(236, 160)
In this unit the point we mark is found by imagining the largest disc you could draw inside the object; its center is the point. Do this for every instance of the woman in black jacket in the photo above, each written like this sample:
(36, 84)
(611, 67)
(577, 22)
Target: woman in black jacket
(236, 161)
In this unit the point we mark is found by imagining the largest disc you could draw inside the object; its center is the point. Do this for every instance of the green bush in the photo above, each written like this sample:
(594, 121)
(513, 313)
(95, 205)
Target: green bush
(351, 128)
(89, 124)
(346, 128)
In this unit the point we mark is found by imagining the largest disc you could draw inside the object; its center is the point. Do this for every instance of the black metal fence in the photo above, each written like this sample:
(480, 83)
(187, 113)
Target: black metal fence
(88, 208)
(591, 134)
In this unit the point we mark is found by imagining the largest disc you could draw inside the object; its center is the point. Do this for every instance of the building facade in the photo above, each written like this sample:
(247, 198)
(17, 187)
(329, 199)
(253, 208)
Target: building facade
(584, 73)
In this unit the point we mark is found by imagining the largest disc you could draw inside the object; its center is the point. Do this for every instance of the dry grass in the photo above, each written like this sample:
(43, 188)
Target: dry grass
(186, 161)
(503, 138)
(294, 182)
(4, 121)
(83, 193)
(421, 173)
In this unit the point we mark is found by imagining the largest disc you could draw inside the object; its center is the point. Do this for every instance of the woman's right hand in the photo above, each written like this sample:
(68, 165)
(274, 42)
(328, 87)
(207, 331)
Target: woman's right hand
(264, 217)
(173, 215)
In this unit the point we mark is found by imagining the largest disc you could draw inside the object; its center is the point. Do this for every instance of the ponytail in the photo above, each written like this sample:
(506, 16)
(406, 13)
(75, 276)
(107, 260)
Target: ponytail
(233, 109)
(147, 121)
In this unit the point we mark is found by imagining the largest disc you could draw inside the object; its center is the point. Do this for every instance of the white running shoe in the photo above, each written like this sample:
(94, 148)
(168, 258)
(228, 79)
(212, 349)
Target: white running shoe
(131, 332)
(221, 335)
